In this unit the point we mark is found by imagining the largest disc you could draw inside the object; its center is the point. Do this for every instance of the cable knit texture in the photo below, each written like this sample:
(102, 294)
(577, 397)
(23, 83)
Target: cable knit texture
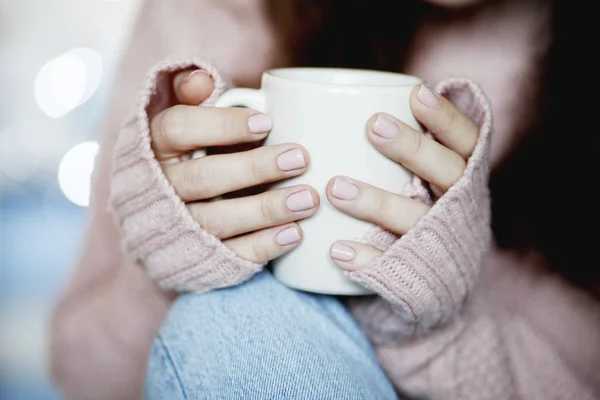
(158, 231)
(428, 272)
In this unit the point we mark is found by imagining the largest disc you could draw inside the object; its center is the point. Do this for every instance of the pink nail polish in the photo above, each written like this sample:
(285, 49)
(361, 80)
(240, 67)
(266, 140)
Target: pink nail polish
(288, 236)
(344, 190)
(385, 127)
(260, 123)
(428, 96)
(195, 73)
(342, 252)
(291, 160)
(300, 201)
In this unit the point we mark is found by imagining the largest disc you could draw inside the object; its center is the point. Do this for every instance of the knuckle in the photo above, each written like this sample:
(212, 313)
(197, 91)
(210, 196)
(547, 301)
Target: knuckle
(450, 119)
(258, 166)
(197, 213)
(213, 223)
(268, 209)
(415, 144)
(453, 174)
(195, 179)
(459, 169)
(172, 124)
(380, 205)
(187, 179)
(224, 125)
(232, 121)
(260, 250)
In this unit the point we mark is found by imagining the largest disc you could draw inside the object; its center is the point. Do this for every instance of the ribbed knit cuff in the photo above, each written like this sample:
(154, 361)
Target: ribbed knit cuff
(159, 232)
(428, 273)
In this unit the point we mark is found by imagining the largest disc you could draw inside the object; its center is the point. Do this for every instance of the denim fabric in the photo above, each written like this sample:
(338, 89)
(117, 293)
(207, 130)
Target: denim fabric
(262, 340)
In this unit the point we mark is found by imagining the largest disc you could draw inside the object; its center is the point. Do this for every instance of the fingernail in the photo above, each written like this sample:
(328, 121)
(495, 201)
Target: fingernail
(260, 123)
(194, 74)
(291, 160)
(288, 236)
(300, 201)
(427, 96)
(385, 127)
(344, 190)
(342, 252)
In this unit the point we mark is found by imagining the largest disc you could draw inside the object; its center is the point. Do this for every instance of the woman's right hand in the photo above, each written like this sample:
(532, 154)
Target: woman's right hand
(260, 227)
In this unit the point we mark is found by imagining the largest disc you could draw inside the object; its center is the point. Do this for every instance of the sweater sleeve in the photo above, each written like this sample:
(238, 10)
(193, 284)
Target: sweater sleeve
(427, 274)
(159, 233)
(107, 316)
(108, 312)
(451, 324)
(538, 342)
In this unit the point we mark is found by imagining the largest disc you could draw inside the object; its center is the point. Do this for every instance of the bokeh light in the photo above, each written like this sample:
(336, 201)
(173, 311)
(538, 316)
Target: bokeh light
(75, 172)
(60, 84)
(61, 60)
(67, 81)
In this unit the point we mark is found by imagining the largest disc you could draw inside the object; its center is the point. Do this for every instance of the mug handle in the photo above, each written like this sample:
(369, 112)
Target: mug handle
(244, 97)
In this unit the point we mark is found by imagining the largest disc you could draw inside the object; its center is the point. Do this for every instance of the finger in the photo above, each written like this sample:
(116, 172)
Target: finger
(430, 160)
(449, 126)
(391, 211)
(267, 244)
(182, 128)
(192, 87)
(350, 255)
(233, 217)
(212, 176)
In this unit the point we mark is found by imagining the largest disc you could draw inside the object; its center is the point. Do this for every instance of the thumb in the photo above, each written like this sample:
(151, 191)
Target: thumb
(192, 87)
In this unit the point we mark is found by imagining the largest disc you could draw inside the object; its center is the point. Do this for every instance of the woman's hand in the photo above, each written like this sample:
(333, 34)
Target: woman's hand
(259, 227)
(440, 162)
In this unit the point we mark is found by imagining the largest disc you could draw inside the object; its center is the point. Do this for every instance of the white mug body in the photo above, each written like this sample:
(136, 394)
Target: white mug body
(326, 111)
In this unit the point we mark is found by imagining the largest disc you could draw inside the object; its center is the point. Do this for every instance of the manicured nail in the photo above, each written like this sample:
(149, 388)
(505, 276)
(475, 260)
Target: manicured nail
(344, 190)
(342, 252)
(385, 127)
(300, 201)
(291, 160)
(194, 74)
(428, 96)
(288, 236)
(260, 123)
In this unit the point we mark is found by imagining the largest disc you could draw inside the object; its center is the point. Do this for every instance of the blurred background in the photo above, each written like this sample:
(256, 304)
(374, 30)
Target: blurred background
(57, 63)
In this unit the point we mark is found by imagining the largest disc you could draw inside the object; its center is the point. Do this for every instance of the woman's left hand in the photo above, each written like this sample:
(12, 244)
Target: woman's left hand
(441, 162)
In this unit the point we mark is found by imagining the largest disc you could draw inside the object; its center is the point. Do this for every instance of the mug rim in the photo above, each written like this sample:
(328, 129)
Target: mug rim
(412, 80)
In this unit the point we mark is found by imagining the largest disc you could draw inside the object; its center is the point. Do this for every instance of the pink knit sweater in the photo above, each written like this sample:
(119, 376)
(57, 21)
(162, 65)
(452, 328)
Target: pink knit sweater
(454, 319)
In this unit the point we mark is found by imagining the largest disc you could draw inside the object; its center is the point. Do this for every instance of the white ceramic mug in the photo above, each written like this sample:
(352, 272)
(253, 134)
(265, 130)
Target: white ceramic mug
(326, 110)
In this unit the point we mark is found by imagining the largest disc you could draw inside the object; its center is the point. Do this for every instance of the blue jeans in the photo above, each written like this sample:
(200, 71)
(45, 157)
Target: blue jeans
(262, 340)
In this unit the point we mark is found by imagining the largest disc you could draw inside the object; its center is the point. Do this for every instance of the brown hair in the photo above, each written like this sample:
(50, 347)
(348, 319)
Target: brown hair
(345, 33)
(539, 191)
